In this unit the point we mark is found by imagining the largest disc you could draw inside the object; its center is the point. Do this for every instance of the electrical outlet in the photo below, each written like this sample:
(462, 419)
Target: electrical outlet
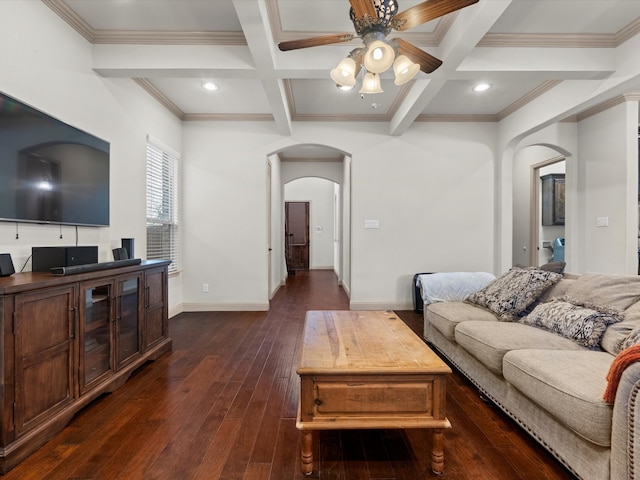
(205, 288)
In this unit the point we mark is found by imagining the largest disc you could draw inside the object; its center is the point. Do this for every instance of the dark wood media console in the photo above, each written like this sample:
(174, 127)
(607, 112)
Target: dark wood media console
(67, 340)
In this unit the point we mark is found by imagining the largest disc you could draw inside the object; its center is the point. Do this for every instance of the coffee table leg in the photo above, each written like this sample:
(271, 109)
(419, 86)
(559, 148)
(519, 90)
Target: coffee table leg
(307, 452)
(437, 452)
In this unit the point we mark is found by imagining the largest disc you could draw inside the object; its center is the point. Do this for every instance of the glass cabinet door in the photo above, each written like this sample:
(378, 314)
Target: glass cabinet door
(96, 323)
(128, 319)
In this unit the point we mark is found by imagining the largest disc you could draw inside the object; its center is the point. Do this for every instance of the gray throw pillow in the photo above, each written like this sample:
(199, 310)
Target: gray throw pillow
(509, 295)
(584, 326)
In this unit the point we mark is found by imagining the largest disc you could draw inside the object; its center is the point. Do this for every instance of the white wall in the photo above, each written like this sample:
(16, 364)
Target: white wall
(319, 193)
(430, 189)
(49, 68)
(608, 188)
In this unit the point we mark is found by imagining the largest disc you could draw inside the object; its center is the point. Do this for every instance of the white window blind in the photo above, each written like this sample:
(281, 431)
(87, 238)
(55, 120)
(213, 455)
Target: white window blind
(163, 240)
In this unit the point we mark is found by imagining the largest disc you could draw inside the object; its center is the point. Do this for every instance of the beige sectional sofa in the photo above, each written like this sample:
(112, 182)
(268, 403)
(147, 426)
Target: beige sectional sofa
(548, 369)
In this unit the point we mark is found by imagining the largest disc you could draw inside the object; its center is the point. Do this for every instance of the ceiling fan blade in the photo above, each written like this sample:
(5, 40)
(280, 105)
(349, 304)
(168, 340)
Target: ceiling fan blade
(427, 11)
(362, 7)
(315, 41)
(428, 63)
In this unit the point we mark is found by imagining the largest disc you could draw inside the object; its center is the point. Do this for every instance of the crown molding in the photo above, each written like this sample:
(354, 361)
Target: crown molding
(153, 37)
(557, 40)
(612, 102)
(427, 117)
(159, 96)
(142, 37)
(71, 17)
(227, 117)
(529, 97)
(561, 40)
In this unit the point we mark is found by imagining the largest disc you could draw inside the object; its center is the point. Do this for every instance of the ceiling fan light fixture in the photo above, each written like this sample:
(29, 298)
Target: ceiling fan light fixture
(345, 73)
(404, 69)
(379, 56)
(371, 83)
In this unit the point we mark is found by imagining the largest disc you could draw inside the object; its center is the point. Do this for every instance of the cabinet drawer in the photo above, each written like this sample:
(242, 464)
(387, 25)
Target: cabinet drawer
(358, 398)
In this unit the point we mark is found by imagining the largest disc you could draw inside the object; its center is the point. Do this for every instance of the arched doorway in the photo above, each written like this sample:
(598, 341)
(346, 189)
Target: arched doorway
(314, 163)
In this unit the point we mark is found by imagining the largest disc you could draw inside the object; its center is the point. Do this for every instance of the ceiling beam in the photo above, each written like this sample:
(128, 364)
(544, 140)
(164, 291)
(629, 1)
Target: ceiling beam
(254, 19)
(471, 24)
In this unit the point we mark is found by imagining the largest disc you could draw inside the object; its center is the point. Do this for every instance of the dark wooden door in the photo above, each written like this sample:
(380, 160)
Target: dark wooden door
(297, 235)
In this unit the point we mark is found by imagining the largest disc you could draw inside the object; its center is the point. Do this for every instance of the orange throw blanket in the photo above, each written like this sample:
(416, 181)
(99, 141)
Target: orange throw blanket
(620, 363)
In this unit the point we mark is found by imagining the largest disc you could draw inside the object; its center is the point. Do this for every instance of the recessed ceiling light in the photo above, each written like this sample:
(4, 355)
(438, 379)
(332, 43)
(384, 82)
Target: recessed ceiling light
(481, 87)
(212, 87)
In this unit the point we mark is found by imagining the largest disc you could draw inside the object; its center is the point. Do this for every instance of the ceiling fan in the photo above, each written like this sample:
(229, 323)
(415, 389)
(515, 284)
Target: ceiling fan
(373, 21)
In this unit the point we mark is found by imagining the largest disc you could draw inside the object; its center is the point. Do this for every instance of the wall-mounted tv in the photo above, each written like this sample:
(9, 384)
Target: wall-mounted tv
(50, 172)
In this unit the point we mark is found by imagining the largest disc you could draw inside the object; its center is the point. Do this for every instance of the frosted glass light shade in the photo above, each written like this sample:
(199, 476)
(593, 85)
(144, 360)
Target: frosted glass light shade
(345, 73)
(404, 69)
(379, 57)
(371, 83)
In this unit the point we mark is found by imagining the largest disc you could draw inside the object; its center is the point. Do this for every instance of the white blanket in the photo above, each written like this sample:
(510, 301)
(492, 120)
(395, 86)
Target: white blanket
(451, 286)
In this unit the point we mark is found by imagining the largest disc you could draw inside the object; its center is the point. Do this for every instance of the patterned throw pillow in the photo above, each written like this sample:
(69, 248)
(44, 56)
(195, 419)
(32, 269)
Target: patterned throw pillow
(630, 340)
(510, 294)
(580, 324)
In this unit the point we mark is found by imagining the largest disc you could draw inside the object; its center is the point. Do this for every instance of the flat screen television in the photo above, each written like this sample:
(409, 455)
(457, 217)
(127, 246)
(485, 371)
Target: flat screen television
(50, 172)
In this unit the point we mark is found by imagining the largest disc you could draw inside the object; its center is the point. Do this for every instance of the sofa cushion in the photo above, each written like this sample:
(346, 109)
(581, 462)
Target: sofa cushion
(445, 316)
(567, 384)
(510, 294)
(489, 342)
(605, 293)
(624, 334)
(580, 324)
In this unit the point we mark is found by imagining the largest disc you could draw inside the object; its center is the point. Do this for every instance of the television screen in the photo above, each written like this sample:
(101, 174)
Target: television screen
(50, 172)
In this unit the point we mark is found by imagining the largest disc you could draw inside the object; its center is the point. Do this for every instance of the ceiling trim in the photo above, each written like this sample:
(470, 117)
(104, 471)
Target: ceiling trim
(152, 37)
(617, 100)
(71, 17)
(456, 118)
(159, 96)
(227, 117)
(529, 97)
(561, 40)
(142, 37)
(304, 117)
(548, 40)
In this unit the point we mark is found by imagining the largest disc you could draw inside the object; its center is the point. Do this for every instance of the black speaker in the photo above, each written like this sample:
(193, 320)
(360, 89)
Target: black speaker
(6, 265)
(127, 244)
(120, 254)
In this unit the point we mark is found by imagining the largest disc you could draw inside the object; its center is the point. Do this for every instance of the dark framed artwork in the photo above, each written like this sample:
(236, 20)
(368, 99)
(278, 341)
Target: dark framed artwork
(553, 195)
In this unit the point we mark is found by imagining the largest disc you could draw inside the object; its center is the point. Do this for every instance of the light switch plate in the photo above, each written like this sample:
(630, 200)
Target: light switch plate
(372, 224)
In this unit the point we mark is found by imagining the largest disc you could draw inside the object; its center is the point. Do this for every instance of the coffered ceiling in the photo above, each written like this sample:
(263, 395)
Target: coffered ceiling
(520, 47)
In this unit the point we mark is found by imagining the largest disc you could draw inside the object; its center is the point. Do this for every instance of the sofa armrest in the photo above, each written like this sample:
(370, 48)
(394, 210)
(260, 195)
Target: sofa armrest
(625, 434)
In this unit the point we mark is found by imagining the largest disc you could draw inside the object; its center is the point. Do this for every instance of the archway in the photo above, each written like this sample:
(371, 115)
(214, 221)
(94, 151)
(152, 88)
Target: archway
(307, 161)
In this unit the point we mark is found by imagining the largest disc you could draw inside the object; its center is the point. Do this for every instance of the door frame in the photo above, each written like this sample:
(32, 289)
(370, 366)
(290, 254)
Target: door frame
(534, 207)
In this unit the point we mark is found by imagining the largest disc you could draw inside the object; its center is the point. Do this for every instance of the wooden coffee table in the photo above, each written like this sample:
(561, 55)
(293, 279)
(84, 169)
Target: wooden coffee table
(367, 369)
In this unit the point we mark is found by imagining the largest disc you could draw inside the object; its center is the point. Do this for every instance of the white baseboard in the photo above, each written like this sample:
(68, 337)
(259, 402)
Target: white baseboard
(226, 307)
(379, 306)
(175, 310)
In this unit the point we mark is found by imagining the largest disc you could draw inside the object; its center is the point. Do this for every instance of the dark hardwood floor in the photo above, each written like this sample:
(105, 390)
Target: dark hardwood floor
(222, 405)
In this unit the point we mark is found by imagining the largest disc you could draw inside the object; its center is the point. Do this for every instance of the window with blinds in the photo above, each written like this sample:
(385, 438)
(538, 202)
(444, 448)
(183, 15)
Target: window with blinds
(162, 205)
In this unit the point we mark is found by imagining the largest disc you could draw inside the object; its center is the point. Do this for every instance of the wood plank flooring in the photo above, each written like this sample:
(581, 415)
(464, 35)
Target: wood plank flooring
(222, 405)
